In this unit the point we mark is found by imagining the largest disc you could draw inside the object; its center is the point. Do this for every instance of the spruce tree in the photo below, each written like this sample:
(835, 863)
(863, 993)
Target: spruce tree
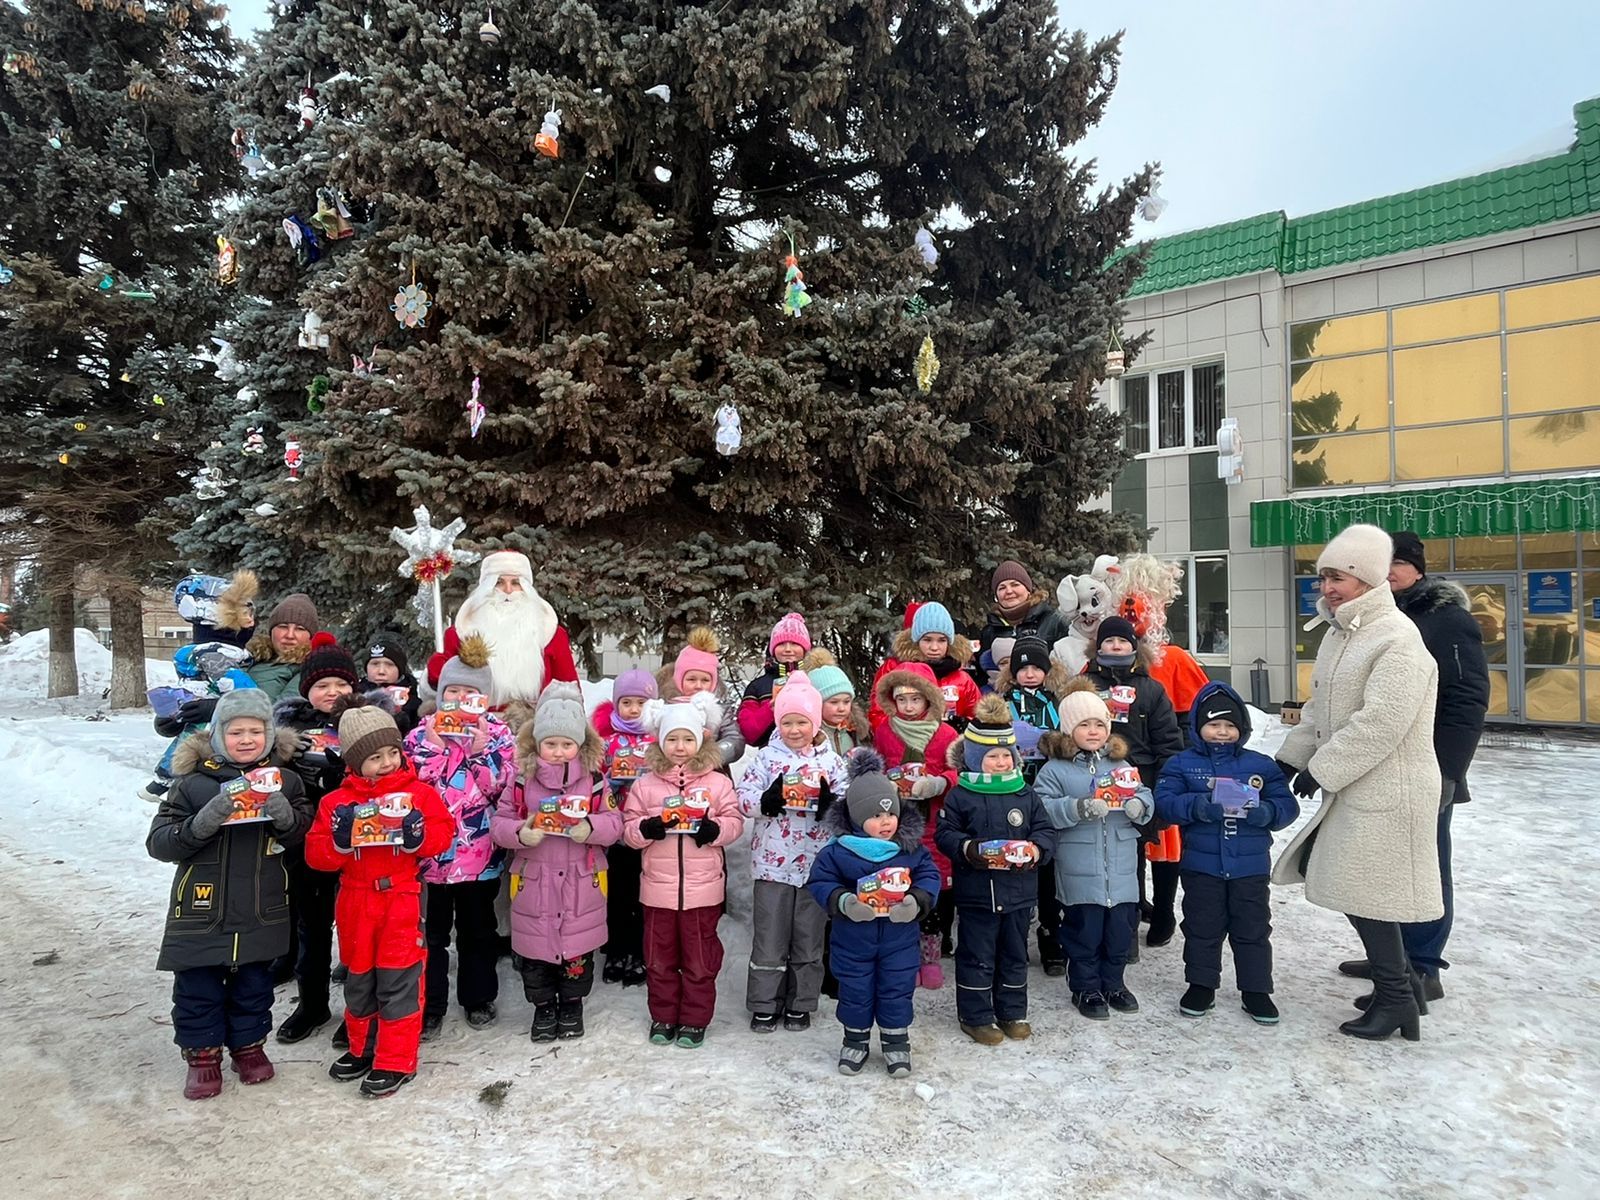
(609, 300)
(114, 161)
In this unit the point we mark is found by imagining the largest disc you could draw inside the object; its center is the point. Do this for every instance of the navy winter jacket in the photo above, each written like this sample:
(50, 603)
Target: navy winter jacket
(994, 816)
(861, 947)
(1234, 847)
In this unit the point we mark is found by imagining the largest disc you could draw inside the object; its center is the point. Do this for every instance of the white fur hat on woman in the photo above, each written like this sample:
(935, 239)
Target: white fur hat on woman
(1364, 551)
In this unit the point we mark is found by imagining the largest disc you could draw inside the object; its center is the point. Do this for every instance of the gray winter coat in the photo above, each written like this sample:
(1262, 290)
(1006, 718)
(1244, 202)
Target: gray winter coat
(1097, 862)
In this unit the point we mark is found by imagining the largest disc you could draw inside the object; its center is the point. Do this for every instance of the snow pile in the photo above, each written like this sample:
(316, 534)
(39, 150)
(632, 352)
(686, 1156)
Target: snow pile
(25, 666)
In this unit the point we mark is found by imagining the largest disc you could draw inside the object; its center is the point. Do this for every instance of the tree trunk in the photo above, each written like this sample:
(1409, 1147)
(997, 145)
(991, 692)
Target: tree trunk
(127, 648)
(63, 635)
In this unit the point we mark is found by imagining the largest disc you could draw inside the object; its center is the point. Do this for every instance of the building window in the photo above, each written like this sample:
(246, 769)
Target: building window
(1198, 618)
(1180, 408)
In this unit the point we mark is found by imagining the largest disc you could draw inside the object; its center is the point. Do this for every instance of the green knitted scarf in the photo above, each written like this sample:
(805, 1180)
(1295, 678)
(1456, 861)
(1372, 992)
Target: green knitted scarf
(915, 734)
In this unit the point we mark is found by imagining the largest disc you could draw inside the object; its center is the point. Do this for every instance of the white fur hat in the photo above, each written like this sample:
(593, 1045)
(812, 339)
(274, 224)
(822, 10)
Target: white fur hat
(700, 714)
(506, 562)
(1364, 551)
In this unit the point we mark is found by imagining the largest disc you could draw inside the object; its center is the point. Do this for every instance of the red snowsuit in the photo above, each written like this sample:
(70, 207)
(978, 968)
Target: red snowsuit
(379, 917)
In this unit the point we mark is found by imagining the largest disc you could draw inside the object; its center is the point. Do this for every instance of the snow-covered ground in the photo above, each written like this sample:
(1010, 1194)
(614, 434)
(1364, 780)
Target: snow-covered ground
(1499, 1099)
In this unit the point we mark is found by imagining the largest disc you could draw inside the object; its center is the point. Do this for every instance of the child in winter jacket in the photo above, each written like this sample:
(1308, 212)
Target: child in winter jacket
(557, 821)
(470, 770)
(698, 669)
(843, 723)
(388, 669)
(996, 834)
(930, 637)
(228, 915)
(915, 745)
(681, 815)
(787, 791)
(1228, 800)
(327, 677)
(1096, 801)
(788, 644)
(878, 841)
(375, 830)
(620, 723)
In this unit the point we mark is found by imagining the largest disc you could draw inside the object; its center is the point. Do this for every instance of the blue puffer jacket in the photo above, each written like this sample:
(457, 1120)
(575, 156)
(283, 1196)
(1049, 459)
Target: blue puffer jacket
(1232, 848)
(862, 947)
(1097, 861)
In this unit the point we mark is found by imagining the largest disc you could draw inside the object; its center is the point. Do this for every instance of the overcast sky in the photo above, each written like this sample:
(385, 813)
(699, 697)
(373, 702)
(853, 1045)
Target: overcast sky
(1257, 105)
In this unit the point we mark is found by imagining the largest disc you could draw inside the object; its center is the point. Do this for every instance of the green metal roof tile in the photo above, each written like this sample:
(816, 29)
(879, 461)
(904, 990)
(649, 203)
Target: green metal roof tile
(1218, 252)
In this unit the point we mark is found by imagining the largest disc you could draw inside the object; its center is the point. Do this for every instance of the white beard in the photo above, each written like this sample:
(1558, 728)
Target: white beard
(517, 627)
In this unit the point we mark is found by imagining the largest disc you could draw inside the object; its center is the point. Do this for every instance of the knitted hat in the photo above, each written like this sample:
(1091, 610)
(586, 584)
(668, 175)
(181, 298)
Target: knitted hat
(506, 562)
(294, 609)
(637, 682)
(823, 670)
(799, 696)
(469, 667)
(387, 645)
(871, 792)
(1408, 549)
(560, 714)
(1030, 652)
(1221, 705)
(241, 702)
(1364, 551)
(1012, 570)
(989, 728)
(932, 617)
(791, 629)
(364, 729)
(327, 660)
(1001, 649)
(699, 655)
(1082, 705)
(1116, 627)
(698, 714)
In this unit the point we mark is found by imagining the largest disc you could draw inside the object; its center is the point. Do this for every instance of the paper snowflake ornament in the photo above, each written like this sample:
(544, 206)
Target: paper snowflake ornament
(411, 305)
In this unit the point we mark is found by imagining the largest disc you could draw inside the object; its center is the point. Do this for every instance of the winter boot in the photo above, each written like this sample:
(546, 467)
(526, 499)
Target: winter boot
(1122, 1000)
(764, 1022)
(691, 1037)
(1092, 1005)
(347, 1068)
(612, 972)
(545, 1022)
(896, 1047)
(482, 1016)
(1050, 956)
(251, 1064)
(1356, 968)
(663, 1033)
(930, 976)
(796, 1022)
(1197, 1001)
(1260, 1007)
(205, 1073)
(1394, 1005)
(378, 1084)
(633, 973)
(1017, 1031)
(569, 1019)
(1419, 989)
(340, 973)
(853, 1054)
(305, 1020)
(155, 791)
(1163, 898)
(984, 1035)
(432, 1025)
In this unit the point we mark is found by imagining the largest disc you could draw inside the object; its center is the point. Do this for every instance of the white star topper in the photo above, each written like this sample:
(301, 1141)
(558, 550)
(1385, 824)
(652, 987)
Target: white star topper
(422, 541)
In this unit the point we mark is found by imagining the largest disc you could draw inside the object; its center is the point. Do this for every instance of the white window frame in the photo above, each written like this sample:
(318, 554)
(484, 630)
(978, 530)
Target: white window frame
(1187, 562)
(1154, 402)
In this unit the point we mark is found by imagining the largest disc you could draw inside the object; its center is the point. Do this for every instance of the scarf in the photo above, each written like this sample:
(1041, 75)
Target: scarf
(621, 724)
(915, 734)
(872, 849)
(993, 785)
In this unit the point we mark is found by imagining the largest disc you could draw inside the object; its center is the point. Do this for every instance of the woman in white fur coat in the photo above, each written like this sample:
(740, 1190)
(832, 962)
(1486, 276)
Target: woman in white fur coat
(1366, 741)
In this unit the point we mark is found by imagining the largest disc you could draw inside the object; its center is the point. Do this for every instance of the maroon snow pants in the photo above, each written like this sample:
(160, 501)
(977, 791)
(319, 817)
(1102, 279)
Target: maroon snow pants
(682, 955)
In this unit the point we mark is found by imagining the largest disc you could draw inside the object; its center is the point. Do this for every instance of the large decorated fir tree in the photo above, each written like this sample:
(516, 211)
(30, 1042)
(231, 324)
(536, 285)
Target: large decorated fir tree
(599, 200)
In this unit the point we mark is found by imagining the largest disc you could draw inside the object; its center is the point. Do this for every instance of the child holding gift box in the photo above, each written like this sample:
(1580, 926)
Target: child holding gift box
(787, 791)
(471, 771)
(680, 816)
(620, 722)
(228, 915)
(930, 637)
(996, 833)
(874, 951)
(843, 723)
(1227, 800)
(786, 646)
(379, 910)
(1096, 801)
(558, 911)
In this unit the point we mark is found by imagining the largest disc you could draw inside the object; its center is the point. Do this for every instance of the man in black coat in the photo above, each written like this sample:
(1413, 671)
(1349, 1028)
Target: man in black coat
(1444, 618)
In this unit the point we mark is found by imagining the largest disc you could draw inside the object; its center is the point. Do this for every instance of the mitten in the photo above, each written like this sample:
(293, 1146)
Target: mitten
(970, 852)
(772, 798)
(1137, 809)
(653, 828)
(411, 831)
(1092, 808)
(928, 787)
(197, 711)
(1260, 815)
(1202, 808)
(824, 798)
(707, 832)
(850, 905)
(208, 822)
(343, 826)
(905, 912)
(581, 831)
(1305, 786)
(279, 809)
(528, 835)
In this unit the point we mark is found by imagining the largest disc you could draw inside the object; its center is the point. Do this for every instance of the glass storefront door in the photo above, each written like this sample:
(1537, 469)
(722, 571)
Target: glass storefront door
(1496, 605)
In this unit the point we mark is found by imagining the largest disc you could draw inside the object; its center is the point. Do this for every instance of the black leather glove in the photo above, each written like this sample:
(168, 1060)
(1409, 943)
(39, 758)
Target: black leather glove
(197, 711)
(824, 798)
(772, 798)
(707, 832)
(411, 831)
(344, 825)
(1305, 785)
(653, 828)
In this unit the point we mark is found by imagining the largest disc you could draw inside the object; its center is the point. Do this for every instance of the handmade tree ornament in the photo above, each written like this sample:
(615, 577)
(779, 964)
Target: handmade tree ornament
(475, 409)
(6, 275)
(316, 393)
(303, 240)
(115, 208)
(1116, 357)
(307, 105)
(489, 32)
(332, 219)
(227, 262)
(548, 140)
(311, 335)
(411, 304)
(927, 365)
(252, 162)
(926, 248)
(1153, 205)
(291, 459)
(227, 363)
(661, 92)
(255, 442)
(795, 296)
(209, 484)
(730, 430)
(265, 509)
(431, 555)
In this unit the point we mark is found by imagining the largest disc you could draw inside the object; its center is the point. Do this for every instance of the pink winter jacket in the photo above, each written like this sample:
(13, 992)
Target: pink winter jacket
(559, 911)
(677, 873)
(470, 784)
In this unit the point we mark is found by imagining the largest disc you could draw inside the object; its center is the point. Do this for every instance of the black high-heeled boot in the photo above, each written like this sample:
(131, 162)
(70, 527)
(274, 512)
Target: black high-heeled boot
(1394, 1004)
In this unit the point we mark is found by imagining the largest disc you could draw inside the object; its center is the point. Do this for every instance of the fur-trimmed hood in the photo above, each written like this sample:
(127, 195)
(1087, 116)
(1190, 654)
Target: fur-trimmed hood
(1061, 745)
(906, 649)
(836, 821)
(903, 676)
(262, 650)
(590, 754)
(195, 750)
(298, 713)
(1430, 594)
(1055, 682)
(707, 759)
(236, 605)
